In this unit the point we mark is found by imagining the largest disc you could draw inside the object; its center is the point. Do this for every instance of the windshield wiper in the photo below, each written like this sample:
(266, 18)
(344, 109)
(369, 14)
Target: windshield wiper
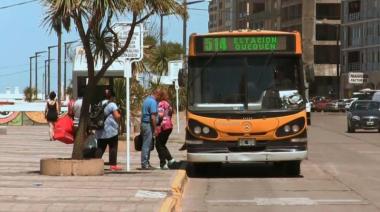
(203, 68)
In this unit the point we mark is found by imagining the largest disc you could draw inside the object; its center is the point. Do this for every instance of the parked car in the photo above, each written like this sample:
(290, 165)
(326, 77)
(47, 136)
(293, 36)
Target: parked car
(363, 114)
(332, 106)
(320, 105)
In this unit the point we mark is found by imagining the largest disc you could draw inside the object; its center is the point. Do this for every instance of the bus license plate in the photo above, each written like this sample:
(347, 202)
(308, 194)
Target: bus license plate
(370, 123)
(246, 142)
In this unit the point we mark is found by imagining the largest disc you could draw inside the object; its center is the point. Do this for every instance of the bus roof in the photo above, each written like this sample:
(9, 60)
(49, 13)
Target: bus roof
(248, 32)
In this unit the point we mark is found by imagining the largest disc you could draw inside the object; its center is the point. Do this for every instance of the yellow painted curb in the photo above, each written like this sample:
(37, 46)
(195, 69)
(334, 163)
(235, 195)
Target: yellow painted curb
(173, 202)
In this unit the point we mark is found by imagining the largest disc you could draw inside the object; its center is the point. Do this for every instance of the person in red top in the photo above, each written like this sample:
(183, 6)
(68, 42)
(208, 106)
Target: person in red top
(164, 130)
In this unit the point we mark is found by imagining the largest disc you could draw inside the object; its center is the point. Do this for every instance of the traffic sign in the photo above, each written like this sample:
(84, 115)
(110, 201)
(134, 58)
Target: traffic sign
(355, 77)
(135, 48)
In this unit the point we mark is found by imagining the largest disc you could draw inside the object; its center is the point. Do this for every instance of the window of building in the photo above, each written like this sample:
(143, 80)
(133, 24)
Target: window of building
(328, 11)
(326, 32)
(354, 10)
(325, 54)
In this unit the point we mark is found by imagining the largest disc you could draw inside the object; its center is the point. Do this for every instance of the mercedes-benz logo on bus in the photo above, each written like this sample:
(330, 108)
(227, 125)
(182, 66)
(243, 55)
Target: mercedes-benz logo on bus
(247, 126)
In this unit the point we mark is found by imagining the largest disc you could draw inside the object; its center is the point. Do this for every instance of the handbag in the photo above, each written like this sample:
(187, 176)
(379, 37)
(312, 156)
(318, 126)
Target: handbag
(63, 130)
(138, 141)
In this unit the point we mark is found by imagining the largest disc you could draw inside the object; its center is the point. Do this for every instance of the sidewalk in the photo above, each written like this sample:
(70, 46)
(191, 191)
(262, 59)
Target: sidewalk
(23, 189)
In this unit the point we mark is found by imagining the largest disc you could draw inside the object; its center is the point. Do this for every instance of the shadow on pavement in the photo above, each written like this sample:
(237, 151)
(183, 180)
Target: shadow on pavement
(252, 170)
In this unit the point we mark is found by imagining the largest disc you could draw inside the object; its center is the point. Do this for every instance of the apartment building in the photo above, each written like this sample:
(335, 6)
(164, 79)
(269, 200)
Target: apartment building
(317, 20)
(222, 15)
(360, 44)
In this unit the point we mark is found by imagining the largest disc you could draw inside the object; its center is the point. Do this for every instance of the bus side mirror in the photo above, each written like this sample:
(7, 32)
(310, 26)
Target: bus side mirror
(309, 72)
(182, 77)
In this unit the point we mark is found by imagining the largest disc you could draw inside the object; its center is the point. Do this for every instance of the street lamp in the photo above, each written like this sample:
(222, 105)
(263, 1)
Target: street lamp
(185, 3)
(30, 68)
(36, 71)
(64, 68)
(48, 67)
(326, 22)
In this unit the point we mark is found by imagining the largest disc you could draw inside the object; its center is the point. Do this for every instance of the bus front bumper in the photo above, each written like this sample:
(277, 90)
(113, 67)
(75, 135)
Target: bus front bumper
(236, 157)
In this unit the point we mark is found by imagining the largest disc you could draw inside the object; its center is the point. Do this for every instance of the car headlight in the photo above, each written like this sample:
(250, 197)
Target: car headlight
(197, 130)
(206, 130)
(357, 118)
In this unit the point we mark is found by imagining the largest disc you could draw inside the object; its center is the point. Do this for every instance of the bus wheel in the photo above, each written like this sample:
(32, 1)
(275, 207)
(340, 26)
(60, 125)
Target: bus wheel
(293, 168)
(200, 169)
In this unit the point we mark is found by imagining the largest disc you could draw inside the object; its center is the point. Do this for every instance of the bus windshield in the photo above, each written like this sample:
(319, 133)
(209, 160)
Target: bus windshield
(266, 82)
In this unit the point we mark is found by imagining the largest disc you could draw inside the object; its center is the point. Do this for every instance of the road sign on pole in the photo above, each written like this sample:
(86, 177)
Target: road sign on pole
(134, 53)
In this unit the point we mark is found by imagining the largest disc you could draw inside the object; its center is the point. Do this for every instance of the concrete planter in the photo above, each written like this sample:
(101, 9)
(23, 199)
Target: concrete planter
(70, 167)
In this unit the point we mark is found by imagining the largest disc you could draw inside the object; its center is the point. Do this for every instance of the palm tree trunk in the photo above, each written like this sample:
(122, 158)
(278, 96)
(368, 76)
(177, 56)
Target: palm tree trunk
(81, 133)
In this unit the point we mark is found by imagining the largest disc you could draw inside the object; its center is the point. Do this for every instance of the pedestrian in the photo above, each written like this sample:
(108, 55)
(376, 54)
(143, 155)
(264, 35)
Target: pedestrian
(163, 131)
(51, 113)
(148, 126)
(110, 133)
(70, 107)
(76, 110)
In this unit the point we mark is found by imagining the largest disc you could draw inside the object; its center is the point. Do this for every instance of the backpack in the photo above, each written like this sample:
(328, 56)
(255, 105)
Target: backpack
(97, 116)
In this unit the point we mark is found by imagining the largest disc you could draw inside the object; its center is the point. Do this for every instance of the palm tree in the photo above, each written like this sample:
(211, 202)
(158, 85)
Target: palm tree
(93, 22)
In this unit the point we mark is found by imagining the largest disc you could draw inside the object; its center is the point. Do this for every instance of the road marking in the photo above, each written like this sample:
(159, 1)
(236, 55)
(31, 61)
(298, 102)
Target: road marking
(369, 152)
(150, 194)
(290, 201)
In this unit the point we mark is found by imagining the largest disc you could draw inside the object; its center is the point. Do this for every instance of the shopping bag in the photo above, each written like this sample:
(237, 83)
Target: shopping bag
(91, 146)
(138, 141)
(63, 130)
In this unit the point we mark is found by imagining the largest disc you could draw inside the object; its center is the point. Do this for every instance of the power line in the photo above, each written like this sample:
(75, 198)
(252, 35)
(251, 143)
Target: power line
(17, 4)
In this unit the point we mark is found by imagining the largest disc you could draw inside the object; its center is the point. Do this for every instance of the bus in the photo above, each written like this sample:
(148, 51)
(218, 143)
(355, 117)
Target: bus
(246, 99)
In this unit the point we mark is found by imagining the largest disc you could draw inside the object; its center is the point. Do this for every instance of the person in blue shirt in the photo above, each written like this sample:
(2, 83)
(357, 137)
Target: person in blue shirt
(109, 134)
(148, 126)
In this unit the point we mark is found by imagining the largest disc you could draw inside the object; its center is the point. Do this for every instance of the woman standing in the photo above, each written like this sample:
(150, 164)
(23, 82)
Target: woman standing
(51, 113)
(164, 130)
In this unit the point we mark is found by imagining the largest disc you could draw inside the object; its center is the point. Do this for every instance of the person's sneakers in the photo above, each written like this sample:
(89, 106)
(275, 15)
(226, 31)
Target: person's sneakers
(164, 167)
(149, 167)
(115, 168)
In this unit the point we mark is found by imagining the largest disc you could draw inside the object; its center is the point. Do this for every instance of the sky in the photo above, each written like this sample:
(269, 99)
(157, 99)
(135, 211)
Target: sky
(23, 33)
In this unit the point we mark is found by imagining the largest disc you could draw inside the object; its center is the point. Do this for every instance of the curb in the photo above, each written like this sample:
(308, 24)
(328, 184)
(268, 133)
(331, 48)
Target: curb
(173, 202)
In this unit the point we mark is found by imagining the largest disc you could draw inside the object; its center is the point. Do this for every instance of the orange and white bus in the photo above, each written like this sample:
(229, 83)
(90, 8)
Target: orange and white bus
(246, 99)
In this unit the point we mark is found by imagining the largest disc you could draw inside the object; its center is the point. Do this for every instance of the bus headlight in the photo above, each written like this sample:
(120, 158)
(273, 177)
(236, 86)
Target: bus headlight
(291, 127)
(197, 130)
(206, 130)
(295, 128)
(286, 128)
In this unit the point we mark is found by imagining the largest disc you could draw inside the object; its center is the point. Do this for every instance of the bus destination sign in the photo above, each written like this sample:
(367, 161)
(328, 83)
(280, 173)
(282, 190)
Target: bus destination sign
(253, 43)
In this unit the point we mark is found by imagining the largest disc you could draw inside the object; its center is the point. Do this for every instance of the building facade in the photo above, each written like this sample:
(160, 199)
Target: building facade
(221, 15)
(361, 44)
(317, 20)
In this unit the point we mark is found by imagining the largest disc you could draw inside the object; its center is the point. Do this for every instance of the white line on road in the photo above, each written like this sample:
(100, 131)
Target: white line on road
(150, 194)
(290, 201)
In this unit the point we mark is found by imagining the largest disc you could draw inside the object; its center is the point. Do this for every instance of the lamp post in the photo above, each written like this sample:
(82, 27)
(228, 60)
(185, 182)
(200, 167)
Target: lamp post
(48, 67)
(64, 67)
(184, 38)
(30, 68)
(36, 71)
(337, 26)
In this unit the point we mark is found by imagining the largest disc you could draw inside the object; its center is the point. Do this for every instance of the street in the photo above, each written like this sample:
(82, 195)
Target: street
(341, 174)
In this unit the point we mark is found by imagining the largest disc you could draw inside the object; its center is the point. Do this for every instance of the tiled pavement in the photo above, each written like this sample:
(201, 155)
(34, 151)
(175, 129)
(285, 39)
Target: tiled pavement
(22, 188)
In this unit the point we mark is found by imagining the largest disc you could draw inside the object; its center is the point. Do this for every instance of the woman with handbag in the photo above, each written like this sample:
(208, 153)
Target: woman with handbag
(164, 130)
(51, 113)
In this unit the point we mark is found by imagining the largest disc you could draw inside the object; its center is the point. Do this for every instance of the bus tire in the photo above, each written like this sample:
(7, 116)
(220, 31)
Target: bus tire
(293, 168)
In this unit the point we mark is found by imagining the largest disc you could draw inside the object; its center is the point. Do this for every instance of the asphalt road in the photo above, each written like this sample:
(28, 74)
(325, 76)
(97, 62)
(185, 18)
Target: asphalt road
(342, 173)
